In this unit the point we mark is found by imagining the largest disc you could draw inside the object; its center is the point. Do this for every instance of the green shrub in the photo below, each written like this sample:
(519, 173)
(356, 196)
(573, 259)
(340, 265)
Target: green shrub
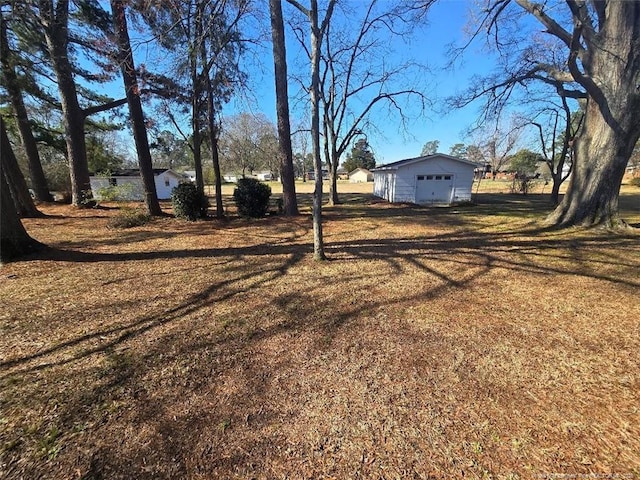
(188, 202)
(129, 217)
(635, 181)
(252, 197)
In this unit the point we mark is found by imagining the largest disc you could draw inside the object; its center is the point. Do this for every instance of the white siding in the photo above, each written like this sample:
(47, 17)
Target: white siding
(163, 190)
(383, 184)
(126, 188)
(402, 180)
(130, 188)
(360, 176)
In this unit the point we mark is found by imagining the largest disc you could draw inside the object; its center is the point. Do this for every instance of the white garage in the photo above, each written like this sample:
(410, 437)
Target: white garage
(432, 179)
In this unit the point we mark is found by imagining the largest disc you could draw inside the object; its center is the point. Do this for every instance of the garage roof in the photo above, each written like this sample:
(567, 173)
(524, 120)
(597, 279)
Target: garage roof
(408, 161)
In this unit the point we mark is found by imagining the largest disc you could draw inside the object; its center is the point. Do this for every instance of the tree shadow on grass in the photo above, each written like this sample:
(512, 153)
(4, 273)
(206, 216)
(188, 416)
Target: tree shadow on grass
(232, 353)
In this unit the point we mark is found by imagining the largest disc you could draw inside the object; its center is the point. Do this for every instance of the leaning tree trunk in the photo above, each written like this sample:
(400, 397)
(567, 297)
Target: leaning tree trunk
(11, 84)
(611, 127)
(55, 23)
(290, 202)
(16, 183)
(127, 66)
(14, 239)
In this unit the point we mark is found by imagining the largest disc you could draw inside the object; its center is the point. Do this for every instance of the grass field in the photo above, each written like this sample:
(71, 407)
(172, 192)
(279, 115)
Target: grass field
(459, 342)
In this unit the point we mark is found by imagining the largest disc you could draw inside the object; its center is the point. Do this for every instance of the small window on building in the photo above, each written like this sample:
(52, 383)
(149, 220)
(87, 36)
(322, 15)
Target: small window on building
(420, 177)
(438, 177)
(167, 183)
(113, 182)
(447, 177)
(429, 177)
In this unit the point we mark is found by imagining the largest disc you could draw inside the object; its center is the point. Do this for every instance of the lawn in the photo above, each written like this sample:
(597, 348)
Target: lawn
(460, 342)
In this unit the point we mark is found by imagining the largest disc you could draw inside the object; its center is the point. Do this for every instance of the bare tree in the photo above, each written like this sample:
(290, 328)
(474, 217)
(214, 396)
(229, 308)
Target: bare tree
(596, 45)
(557, 139)
(495, 145)
(357, 76)
(317, 29)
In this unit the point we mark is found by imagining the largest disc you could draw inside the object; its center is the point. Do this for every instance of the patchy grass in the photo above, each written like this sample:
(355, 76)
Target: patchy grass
(436, 343)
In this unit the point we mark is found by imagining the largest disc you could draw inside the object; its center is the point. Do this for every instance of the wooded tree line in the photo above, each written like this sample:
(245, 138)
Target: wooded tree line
(56, 53)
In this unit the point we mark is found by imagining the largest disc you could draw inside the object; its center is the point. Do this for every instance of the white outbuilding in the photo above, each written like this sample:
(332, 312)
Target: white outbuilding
(360, 175)
(431, 179)
(127, 184)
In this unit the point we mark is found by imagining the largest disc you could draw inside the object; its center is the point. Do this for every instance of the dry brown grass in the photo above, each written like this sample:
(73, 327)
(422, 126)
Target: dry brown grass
(436, 343)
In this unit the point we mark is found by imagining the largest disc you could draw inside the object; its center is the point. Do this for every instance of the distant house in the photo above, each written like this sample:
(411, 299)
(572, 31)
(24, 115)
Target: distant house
(311, 174)
(429, 179)
(127, 184)
(360, 175)
(343, 174)
(190, 175)
(265, 176)
(230, 177)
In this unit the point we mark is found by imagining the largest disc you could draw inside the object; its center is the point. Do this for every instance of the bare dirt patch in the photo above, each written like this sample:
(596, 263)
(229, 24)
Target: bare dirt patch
(460, 342)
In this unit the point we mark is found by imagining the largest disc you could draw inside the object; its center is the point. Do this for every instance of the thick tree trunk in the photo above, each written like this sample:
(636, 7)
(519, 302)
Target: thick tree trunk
(55, 23)
(38, 180)
(290, 202)
(318, 241)
(127, 66)
(602, 152)
(611, 127)
(14, 239)
(16, 183)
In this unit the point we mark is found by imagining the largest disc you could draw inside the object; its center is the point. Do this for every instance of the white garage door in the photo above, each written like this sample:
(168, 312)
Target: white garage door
(434, 188)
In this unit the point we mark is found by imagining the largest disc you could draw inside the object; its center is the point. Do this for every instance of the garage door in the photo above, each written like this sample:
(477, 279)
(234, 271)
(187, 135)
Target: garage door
(434, 188)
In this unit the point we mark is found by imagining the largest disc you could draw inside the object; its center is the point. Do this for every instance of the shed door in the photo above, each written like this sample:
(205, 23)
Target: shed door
(434, 188)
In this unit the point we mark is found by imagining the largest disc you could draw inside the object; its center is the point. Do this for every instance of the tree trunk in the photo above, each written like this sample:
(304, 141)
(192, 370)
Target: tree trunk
(196, 103)
(15, 180)
(55, 23)
(14, 239)
(127, 66)
(318, 241)
(611, 128)
(601, 156)
(290, 202)
(215, 158)
(555, 188)
(333, 178)
(38, 180)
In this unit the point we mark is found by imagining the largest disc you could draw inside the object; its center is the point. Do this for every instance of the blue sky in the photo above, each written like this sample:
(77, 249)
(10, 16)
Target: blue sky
(445, 24)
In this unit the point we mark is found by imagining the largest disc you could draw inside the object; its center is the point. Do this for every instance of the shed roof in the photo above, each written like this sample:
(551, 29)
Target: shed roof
(409, 161)
(135, 172)
(364, 170)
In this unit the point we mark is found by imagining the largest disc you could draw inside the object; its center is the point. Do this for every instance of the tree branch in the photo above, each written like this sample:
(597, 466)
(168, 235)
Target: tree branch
(106, 106)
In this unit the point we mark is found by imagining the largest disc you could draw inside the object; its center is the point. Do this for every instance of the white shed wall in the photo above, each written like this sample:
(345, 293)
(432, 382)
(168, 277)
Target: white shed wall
(163, 190)
(128, 188)
(131, 189)
(402, 181)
